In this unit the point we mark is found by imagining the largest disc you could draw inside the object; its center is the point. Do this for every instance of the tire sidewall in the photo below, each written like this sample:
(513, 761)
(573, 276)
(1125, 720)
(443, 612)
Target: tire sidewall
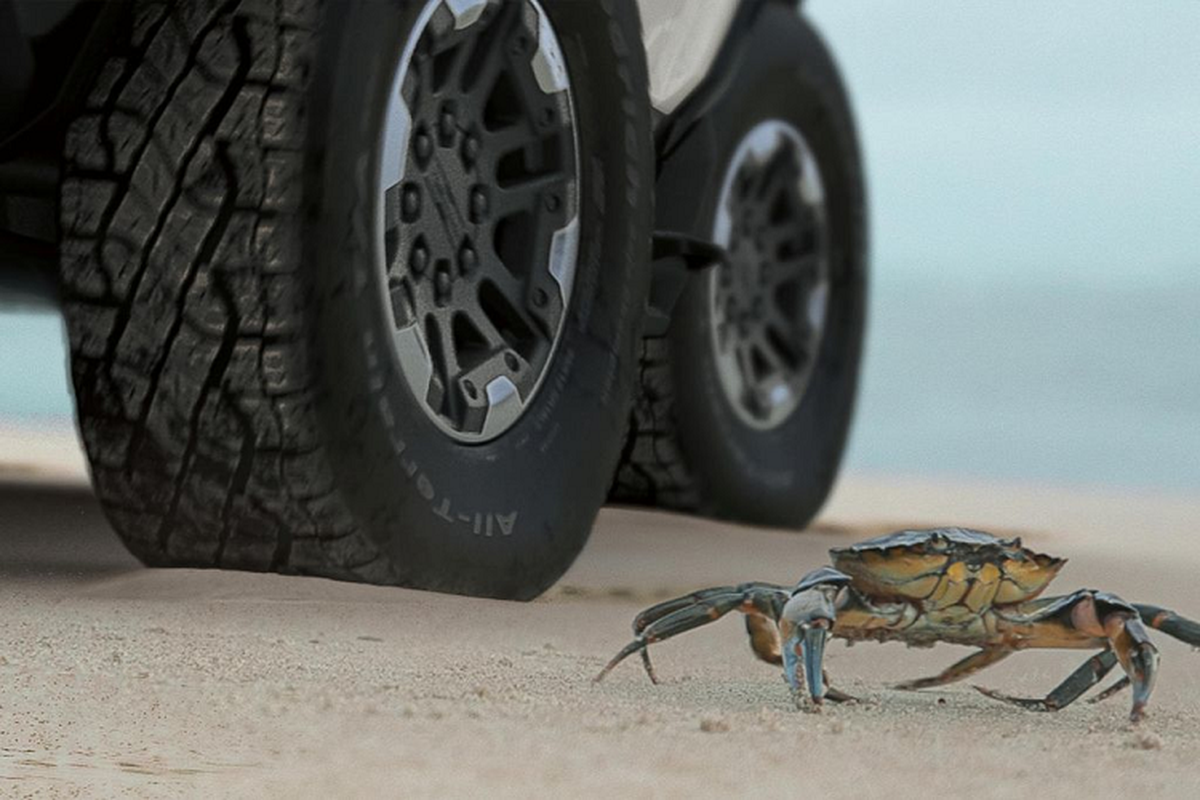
(782, 475)
(506, 517)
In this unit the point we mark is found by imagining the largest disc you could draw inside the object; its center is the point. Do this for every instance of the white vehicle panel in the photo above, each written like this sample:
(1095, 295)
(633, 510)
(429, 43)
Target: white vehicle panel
(682, 38)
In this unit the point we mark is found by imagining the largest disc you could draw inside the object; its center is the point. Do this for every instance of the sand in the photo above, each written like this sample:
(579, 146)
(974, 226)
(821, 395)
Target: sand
(119, 680)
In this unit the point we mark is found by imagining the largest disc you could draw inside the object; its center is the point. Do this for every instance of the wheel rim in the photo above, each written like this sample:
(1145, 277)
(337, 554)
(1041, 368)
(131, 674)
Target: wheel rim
(478, 210)
(769, 302)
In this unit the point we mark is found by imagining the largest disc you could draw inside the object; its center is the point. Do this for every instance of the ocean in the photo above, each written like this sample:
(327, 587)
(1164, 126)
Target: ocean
(1095, 385)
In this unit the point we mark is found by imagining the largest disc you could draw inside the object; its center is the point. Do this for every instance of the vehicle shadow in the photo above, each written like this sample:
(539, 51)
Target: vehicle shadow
(49, 530)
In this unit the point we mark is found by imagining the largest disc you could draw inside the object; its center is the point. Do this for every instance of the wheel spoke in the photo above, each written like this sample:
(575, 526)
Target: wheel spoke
(780, 176)
(489, 57)
(504, 141)
(531, 191)
(802, 269)
(458, 50)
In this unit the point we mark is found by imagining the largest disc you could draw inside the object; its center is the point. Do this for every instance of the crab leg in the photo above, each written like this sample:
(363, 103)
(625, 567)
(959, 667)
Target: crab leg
(764, 637)
(831, 694)
(837, 695)
(673, 617)
(1170, 623)
(1085, 677)
(752, 589)
(666, 607)
(1098, 616)
(1116, 688)
(958, 670)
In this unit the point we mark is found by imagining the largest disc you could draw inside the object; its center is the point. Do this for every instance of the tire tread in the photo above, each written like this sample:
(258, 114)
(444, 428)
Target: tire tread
(186, 314)
(653, 470)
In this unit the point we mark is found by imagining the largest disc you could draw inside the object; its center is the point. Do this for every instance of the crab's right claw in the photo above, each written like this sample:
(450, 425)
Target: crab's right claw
(805, 623)
(804, 653)
(814, 659)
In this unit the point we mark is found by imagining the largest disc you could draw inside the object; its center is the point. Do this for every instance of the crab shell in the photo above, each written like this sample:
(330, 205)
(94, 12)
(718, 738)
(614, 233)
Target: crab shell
(947, 567)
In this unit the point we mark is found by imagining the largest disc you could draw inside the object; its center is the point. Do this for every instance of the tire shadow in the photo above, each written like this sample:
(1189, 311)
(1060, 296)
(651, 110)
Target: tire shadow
(56, 530)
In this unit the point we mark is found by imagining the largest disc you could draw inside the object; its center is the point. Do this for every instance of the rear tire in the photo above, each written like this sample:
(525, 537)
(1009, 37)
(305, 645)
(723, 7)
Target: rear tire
(693, 446)
(229, 322)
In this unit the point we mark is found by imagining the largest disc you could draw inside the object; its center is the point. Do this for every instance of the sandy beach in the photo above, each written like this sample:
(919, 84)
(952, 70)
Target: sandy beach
(117, 680)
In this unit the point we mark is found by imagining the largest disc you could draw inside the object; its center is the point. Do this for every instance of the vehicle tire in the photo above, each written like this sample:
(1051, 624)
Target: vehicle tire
(744, 406)
(237, 300)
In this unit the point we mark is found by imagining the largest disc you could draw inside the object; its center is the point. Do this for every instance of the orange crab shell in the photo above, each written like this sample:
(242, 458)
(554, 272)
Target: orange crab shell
(947, 567)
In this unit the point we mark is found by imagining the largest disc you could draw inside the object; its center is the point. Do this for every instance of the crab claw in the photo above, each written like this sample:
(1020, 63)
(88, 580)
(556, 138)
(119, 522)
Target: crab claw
(813, 648)
(806, 621)
(1142, 671)
(804, 652)
(1138, 657)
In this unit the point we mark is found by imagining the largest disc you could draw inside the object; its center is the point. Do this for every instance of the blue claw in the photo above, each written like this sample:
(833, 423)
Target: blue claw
(814, 654)
(804, 652)
(791, 662)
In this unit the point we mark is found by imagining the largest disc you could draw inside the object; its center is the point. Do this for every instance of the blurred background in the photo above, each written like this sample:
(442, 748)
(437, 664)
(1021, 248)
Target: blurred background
(1034, 175)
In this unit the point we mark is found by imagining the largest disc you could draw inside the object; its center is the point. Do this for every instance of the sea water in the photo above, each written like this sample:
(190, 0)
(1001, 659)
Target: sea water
(1065, 384)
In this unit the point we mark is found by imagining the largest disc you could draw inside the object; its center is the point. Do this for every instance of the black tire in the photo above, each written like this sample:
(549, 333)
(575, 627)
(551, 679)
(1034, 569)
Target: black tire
(233, 392)
(687, 450)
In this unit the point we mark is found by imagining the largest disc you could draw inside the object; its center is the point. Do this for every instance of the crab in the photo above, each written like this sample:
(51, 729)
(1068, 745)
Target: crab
(922, 587)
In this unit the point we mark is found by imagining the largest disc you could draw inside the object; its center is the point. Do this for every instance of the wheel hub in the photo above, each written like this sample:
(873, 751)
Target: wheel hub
(479, 210)
(769, 300)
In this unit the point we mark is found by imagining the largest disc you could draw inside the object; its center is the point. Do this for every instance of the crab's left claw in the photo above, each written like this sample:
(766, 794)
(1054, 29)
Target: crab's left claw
(805, 623)
(1105, 616)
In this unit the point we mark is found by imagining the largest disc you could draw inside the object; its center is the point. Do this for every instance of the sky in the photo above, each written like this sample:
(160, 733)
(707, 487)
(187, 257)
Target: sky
(1034, 178)
(1027, 140)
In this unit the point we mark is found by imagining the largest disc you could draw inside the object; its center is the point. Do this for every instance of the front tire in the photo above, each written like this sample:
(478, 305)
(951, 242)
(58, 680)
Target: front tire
(231, 319)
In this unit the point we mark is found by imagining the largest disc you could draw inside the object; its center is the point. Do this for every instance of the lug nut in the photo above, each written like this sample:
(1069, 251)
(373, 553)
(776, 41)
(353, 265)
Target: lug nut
(511, 361)
(419, 259)
(470, 149)
(410, 203)
(470, 390)
(467, 260)
(447, 123)
(552, 202)
(479, 204)
(540, 298)
(443, 285)
(423, 146)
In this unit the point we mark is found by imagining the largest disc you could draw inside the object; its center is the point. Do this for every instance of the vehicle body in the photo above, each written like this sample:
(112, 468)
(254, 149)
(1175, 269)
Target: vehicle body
(53, 46)
(343, 290)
